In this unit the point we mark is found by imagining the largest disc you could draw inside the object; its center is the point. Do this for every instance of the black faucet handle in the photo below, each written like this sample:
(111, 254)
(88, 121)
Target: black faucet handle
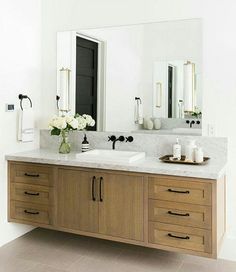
(121, 138)
(111, 138)
(198, 122)
(129, 139)
(187, 121)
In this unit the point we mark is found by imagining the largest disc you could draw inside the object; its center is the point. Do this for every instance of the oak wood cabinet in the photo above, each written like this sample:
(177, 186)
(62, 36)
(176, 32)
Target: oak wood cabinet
(165, 212)
(109, 204)
(75, 206)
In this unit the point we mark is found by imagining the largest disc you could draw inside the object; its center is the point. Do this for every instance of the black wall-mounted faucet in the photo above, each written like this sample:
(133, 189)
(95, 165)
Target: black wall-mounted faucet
(113, 139)
(192, 122)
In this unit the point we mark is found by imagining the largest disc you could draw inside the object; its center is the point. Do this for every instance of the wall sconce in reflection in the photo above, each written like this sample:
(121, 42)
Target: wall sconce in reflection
(189, 86)
(158, 94)
(63, 99)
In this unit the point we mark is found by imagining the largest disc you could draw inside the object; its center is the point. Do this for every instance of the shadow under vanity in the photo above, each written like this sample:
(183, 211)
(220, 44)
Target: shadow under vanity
(148, 203)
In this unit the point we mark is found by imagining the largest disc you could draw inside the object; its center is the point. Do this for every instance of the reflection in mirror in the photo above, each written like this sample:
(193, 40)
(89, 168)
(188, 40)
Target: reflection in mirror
(128, 77)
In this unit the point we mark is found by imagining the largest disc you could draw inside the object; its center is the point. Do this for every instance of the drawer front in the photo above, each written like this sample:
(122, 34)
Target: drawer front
(180, 237)
(31, 193)
(28, 173)
(180, 191)
(29, 212)
(180, 214)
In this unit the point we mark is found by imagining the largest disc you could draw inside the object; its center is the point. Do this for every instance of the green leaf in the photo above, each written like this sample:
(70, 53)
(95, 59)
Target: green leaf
(55, 131)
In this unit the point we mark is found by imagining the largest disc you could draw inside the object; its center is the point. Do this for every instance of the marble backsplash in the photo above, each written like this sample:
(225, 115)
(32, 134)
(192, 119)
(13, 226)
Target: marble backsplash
(170, 123)
(152, 144)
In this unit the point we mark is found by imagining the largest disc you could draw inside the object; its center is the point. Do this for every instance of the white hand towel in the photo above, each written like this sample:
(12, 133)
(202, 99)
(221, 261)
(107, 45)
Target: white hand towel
(138, 119)
(26, 125)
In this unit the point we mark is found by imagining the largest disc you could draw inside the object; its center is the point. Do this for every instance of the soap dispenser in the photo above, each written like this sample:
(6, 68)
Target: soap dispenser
(85, 144)
(177, 150)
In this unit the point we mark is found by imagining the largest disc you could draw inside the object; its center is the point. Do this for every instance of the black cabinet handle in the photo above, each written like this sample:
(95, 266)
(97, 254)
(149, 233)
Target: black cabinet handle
(179, 237)
(31, 212)
(178, 214)
(100, 189)
(178, 192)
(93, 188)
(31, 194)
(32, 175)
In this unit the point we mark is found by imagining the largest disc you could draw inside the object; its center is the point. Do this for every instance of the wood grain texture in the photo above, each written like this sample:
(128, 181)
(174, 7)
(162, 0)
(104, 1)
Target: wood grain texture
(180, 214)
(198, 239)
(30, 212)
(31, 193)
(31, 173)
(134, 207)
(186, 192)
(75, 206)
(121, 212)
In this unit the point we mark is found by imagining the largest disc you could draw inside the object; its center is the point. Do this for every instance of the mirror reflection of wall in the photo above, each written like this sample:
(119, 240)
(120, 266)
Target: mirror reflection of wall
(111, 66)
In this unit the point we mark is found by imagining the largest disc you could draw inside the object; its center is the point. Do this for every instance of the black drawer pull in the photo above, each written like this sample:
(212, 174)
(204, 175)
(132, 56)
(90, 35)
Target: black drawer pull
(179, 237)
(100, 189)
(32, 175)
(32, 194)
(178, 192)
(178, 214)
(93, 188)
(31, 212)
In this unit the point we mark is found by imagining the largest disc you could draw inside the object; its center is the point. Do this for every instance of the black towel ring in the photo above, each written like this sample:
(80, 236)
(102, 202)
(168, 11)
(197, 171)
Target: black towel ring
(138, 98)
(21, 97)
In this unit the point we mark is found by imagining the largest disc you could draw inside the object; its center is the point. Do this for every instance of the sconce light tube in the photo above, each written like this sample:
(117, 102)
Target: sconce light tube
(64, 89)
(189, 86)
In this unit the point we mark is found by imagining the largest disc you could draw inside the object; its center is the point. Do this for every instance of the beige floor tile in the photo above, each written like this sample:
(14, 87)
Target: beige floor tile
(91, 264)
(147, 261)
(52, 251)
(15, 265)
(45, 268)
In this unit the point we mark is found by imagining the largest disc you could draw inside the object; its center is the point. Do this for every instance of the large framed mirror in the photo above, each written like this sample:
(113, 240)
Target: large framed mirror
(128, 77)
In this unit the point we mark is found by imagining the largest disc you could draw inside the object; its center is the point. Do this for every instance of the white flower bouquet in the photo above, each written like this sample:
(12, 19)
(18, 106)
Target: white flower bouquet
(61, 125)
(67, 123)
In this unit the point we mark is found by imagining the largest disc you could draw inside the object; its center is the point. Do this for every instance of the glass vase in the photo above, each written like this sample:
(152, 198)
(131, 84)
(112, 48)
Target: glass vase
(65, 145)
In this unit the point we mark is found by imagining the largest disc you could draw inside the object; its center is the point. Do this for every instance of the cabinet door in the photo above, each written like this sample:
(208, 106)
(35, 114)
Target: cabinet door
(76, 208)
(121, 208)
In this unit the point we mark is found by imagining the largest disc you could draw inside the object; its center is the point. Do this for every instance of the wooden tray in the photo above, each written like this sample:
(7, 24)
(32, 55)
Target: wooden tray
(166, 158)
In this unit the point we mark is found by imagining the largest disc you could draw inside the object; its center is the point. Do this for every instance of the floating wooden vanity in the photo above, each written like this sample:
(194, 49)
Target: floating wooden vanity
(165, 212)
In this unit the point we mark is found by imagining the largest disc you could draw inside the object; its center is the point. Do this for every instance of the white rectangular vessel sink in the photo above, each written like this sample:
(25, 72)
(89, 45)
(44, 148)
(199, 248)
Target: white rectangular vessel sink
(100, 155)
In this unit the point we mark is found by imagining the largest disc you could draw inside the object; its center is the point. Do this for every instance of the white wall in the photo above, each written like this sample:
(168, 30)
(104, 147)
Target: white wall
(20, 72)
(219, 54)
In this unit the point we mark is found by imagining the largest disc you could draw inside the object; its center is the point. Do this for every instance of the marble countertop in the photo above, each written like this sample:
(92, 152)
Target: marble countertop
(151, 165)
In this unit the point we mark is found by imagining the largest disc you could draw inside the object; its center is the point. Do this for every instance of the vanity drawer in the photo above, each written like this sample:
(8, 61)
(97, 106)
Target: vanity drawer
(180, 237)
(180, 213)
(30, 212)
(31, 193)
(30, 173)
(193, 192)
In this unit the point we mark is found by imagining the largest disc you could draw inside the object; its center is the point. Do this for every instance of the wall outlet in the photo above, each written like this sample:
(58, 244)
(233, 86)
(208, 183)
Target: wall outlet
(211, 130)
(10, 107)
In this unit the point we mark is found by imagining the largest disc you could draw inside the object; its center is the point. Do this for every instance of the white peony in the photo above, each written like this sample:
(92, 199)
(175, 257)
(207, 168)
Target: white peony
(89, 120)
(58, 122)
(74, 123)
(81, 122)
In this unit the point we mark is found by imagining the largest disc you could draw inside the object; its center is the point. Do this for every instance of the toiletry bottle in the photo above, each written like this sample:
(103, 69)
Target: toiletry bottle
(177, 150)
(85, 144)
(190, 151)
(199, 155)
